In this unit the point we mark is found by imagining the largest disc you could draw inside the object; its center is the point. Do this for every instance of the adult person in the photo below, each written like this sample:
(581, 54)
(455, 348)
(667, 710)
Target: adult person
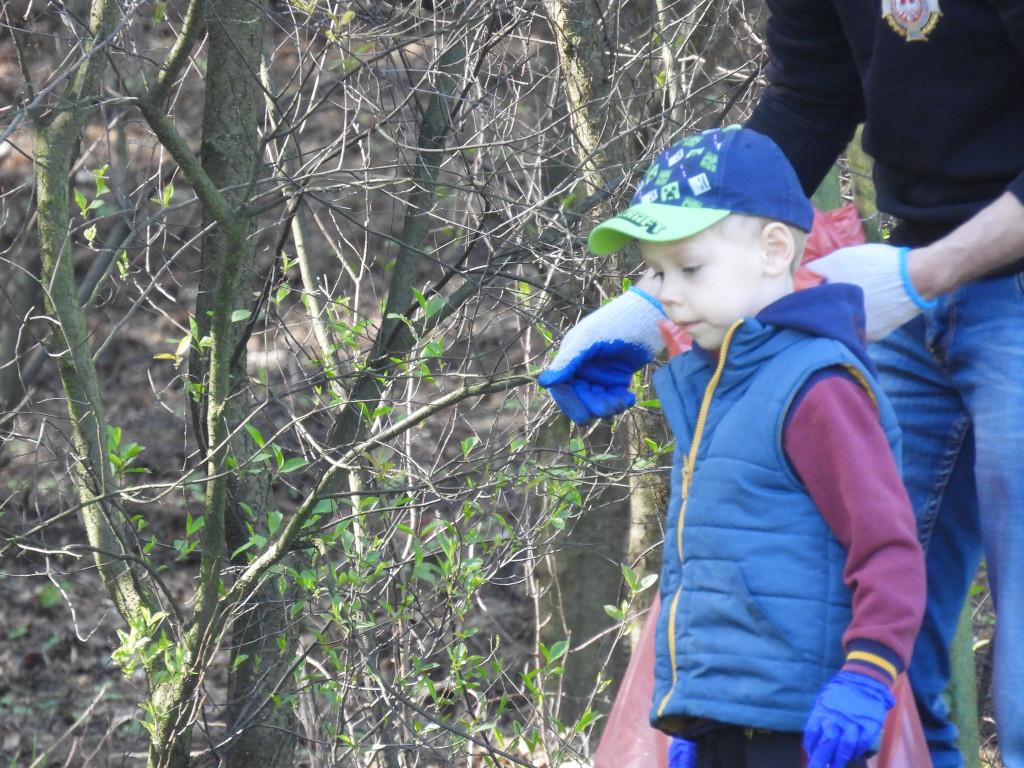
(940, 91)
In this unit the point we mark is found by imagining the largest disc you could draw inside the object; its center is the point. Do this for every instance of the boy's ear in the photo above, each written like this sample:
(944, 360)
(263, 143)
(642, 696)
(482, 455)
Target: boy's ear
(779, 249)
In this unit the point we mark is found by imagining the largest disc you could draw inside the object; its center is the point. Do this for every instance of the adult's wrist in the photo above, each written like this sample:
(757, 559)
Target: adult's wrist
(926, 273)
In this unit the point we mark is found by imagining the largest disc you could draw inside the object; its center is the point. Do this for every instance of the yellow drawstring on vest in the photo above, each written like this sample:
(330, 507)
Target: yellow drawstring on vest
(688, 464)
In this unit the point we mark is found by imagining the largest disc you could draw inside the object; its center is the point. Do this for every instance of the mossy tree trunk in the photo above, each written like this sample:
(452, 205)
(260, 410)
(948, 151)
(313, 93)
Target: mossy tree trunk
(261, 720)
(57, 133)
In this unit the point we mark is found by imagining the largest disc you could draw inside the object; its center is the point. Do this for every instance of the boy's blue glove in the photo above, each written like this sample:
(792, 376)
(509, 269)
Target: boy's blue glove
(590, 376)
(681, 753)
(845, 720)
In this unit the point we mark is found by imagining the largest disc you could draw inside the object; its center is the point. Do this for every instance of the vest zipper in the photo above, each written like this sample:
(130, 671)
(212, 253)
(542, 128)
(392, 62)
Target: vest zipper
(688, 463)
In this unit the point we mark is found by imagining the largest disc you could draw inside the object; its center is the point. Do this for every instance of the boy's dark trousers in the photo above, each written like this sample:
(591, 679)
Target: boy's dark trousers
(738, 747)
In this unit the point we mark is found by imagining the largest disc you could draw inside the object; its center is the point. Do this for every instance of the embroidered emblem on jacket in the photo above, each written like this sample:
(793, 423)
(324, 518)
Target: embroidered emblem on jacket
(912, 19)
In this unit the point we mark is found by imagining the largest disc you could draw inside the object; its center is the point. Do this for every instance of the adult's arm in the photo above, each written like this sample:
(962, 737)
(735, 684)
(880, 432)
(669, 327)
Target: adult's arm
(899, 283)
(813, 101)
(990, 241)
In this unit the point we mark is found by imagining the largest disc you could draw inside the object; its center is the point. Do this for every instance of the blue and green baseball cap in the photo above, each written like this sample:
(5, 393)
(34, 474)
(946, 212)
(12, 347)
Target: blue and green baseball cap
(701, 180)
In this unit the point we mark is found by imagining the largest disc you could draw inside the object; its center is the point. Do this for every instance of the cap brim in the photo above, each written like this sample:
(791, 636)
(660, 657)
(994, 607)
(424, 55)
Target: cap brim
(652, 222)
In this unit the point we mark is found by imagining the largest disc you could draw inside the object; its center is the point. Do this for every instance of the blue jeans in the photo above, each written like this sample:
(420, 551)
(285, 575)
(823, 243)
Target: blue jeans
(955, 376)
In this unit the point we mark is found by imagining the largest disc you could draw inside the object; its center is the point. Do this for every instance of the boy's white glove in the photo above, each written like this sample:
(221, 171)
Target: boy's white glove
(590, 376)
(890, 299)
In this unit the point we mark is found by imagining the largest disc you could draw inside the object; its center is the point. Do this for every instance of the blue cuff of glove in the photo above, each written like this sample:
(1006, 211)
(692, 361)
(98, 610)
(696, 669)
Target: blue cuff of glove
(908, 286)
(650, 298)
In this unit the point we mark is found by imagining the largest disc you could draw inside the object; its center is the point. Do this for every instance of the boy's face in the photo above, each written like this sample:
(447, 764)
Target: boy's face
(709, 281)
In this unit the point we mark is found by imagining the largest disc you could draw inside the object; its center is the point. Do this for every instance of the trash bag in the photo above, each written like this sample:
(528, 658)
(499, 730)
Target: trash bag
(903, 743)
(628, 740)
(834, 229)
(831, 230)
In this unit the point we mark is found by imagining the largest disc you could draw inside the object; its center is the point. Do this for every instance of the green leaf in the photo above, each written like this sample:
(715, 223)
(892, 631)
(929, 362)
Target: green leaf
(425, 571)
(239, 315)
(242, 548)
(293, 464)
(274, 521)
(588, 718)
(434, 306)
(631, 578)
(255, 435)
(49, 596)
(101, 181)
(557, 651)
(615, 613)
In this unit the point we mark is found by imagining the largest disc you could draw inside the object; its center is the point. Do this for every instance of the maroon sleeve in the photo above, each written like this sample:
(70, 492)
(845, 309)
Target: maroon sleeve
(835, 443)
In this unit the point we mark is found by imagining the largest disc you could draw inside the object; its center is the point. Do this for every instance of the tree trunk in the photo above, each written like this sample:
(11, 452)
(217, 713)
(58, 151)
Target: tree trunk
(261, 719)
(615, 519)
(57, 143)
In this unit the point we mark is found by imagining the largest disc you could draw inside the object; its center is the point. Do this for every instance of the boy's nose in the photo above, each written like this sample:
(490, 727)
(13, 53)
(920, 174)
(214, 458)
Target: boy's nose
(668, 292)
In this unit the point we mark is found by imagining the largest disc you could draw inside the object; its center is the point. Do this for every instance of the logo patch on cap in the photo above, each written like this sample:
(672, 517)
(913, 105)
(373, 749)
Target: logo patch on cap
(700, 184)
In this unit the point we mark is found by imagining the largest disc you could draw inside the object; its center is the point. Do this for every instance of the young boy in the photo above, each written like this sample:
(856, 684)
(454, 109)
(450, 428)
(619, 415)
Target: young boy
(792, 582)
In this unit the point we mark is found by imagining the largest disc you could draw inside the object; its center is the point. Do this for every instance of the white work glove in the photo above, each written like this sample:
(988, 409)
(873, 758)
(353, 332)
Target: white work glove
(890, 299)
(590, 376)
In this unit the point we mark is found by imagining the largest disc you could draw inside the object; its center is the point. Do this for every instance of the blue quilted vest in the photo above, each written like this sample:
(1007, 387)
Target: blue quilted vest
(753, 601)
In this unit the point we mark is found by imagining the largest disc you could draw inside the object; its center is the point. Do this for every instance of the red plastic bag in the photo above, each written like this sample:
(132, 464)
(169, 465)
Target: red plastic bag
(628, 740)
(834, 229)
(831, 230)
(903, 742)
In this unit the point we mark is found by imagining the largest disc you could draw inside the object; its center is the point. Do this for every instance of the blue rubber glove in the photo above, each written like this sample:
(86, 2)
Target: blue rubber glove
(846, 719)
(890, 299)
(681, 753)
(590, 376)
